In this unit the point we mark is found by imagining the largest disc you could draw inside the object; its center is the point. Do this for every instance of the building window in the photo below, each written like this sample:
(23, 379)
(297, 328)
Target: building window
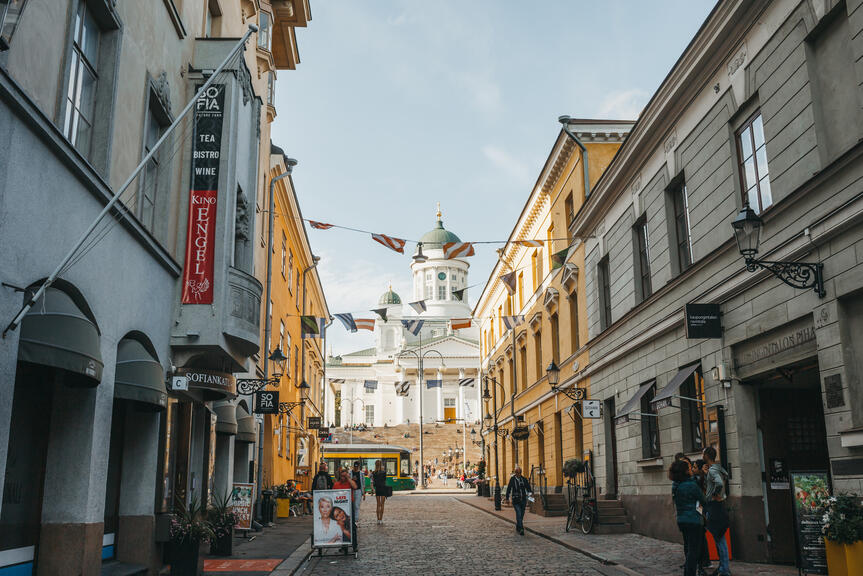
(555, 338)
(441, 292)
(549, 236)
(150, 184)
(522, 365)
(642, 259)
(693, 416)
(500, 320)
(513, 389)
(213, 19)
(282, 336)
(284, 255)
(290, 270)
(603, 281)
(10, 15)
(680, 204)
(279, 433)
(370, 415)
(569, 211)
(537, 346)
(81, 93)
(296, 362)
(287, 351)
(264, 30)
(520, 291)
(752, 157)
(271, 88)
(649, 426)
(573, 321)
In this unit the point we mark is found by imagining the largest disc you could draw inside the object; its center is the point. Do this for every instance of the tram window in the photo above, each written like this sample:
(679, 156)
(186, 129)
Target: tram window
(391, 466)
(406, 466)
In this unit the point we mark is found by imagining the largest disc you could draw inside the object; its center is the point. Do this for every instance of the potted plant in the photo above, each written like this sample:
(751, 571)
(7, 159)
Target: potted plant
(222, 519)
(573, 467)
(189, 529)
(283, 500)
(843, 534)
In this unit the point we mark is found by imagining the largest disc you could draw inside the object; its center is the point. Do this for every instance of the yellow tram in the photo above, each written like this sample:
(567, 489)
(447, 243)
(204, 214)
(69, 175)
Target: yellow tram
(396, 461)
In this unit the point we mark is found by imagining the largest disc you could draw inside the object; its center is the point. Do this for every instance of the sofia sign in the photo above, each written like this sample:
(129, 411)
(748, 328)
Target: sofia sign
(203, 197)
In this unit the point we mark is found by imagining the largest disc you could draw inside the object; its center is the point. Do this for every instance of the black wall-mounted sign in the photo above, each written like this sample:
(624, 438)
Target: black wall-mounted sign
(521, 433)
(323, 433)
(314, 423)
(266, 402)
(703, 321)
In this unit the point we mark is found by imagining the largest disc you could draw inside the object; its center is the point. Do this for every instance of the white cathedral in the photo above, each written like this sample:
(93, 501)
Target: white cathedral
(379, 385)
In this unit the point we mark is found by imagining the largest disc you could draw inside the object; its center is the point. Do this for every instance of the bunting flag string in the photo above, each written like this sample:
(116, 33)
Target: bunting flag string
(370, 384)
(458, 250)
(348, 321)
(512, 321)
(466, 382)
(508, 280)
(529, 243)
(365, 324)
(413, 326)
(419, 306)
(312, 326)
(382, 312)
(460, 323)
(395, 244)
(319, 225)
(434, 384)
(558, 259)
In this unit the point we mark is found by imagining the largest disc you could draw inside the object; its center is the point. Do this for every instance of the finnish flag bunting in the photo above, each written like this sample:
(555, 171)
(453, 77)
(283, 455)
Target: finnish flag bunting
(413, 326)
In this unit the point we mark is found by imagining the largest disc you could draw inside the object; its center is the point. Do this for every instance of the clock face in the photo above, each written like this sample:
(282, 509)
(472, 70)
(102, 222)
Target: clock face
(441, 276)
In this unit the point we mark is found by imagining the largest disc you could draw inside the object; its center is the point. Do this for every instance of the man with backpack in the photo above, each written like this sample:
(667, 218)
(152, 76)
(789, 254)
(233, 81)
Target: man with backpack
(520, 490)
(716, 491)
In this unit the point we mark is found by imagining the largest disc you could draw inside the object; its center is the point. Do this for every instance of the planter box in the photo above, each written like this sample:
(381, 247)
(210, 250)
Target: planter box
(185, 559)
(223, 546)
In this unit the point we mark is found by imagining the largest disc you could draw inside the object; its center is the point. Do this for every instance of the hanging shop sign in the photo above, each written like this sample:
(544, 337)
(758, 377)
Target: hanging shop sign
(203, 196)
(703, 321)
(213, 383)
(242, 496)
(520, 433)
(323, 433)
(591, 409)
(314, 423)
(266, 402)
(811, 491)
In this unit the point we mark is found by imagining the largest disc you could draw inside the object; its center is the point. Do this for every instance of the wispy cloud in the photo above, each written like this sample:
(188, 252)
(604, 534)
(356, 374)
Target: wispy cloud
(623, 104)
(398, 20)
(508, 164)
(485, 93)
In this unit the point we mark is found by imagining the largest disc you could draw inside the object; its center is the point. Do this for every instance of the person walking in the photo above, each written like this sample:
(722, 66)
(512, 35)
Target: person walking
(322, 480)
(686, 495)
(379, 482)
(520, 490)
(716, 491)
(699, 472)
(360, 492)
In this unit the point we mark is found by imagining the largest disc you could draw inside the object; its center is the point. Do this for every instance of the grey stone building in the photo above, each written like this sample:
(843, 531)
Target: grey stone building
(763, 108)
(95, 446)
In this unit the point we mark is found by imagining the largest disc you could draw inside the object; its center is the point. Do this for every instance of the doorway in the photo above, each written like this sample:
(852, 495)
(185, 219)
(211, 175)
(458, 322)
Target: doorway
(794, 439)
(610, 449)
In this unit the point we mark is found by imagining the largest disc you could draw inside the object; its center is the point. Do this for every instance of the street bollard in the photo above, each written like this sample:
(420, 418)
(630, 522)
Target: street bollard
(267, 504)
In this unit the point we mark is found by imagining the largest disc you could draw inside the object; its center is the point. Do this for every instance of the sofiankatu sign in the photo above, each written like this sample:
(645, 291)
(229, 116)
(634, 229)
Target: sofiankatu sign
(203, 196)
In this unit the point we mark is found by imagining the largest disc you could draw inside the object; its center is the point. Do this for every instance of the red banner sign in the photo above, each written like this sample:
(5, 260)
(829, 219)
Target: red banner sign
(200, 239)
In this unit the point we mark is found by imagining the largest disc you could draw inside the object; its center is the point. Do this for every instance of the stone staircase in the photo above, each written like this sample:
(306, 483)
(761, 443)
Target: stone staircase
(612, 518)
(554, 505)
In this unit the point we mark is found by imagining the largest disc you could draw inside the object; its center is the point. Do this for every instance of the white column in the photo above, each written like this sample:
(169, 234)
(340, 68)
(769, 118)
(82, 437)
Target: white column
(440, 401)
(459, 408)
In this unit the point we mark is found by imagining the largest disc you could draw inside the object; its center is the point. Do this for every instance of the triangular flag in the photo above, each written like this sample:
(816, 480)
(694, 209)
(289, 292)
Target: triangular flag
(365, 323)
(382, 312)
(529, 243)
(434, 383)
(509, 281)
(459, 294)
(348, 320)
(512, 321)
(396, 244)
(320, 225)
(466, 382)
(310, 326)
(413, 326)
(460, 323)
(458, 250)
(370, 384)
(419, 306)
(558, 259)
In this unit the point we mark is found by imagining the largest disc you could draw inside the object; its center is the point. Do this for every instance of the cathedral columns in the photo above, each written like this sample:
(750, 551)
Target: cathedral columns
(440, 401)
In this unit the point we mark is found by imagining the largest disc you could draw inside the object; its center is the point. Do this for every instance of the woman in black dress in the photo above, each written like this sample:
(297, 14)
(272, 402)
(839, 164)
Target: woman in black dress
(379, 481)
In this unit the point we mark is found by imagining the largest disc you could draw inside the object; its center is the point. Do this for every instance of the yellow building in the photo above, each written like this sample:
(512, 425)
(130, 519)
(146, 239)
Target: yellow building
(290, 449)
(549, 294)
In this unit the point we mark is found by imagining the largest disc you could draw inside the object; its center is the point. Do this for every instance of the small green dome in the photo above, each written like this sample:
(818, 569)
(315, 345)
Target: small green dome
(389, 297)
(438, 236)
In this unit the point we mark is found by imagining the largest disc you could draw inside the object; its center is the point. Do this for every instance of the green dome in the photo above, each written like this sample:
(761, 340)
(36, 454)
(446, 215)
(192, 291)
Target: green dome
(437, 237)
(389, 297)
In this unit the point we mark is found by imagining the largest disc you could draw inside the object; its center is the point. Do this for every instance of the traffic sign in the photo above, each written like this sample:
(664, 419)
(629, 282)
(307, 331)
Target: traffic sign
(591, 409)
(266, 402)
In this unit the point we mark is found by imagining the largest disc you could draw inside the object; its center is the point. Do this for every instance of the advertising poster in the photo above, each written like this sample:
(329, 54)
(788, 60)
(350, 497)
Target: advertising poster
(332, 518)
(811, 491)
(242, 497)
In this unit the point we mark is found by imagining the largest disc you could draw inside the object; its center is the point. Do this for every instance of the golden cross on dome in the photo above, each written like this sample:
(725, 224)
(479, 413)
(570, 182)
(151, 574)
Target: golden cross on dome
(438, 211)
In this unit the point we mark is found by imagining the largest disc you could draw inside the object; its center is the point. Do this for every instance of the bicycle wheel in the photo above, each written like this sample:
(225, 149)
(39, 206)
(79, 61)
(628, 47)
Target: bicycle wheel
(587, 518)
(570, 517)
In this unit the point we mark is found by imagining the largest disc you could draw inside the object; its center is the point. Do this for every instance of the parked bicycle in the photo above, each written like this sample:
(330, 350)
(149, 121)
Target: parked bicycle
(582, 496)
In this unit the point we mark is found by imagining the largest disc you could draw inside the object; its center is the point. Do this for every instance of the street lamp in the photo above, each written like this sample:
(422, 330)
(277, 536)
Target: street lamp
(552, 374)
(747, 231)
(498, 432)
(252, 385)
(419, 257)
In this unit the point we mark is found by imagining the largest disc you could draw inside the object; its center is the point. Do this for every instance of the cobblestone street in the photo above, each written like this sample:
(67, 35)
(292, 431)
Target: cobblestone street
(438, 534)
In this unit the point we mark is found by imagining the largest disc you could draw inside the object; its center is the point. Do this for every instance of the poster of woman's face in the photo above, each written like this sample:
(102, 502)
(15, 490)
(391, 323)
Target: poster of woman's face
(332, 522)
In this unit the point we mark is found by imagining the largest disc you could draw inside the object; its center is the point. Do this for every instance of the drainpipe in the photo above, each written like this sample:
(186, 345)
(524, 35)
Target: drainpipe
(268, 328)
(315, 261)
(564, 120)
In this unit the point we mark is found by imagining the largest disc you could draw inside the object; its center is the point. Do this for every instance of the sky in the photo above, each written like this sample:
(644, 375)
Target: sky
(400, 104)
